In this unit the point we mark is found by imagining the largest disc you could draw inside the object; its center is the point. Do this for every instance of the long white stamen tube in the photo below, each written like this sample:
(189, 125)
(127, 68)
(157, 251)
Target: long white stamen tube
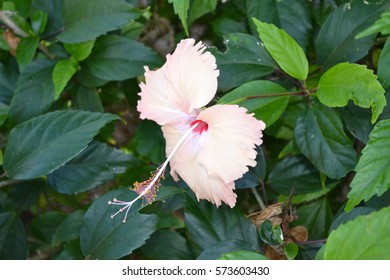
(161, 169)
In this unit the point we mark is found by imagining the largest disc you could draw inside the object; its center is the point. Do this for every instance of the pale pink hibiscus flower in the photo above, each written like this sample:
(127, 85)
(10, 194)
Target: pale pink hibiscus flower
(208, 148)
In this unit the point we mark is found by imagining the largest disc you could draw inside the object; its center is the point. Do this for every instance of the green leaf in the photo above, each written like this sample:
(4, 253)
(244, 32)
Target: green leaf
(225, 26)
(34, 92)
(25, 50)
(382, 25)
(348, 243)
(215, 251)
(291, 250)
(242, 255)
(53, 9)
(8, 78)
(207, 225)
(378, 202)
(88, 99)
(290, 148)
(373, 169)
(336, 42)
(87, 79)
(62, 73)
(294, 172)
(245, 59)
(344, 82)
(173, 247)
(149, 141)
(4, 45)
(3, 112)
(181, 9)
(21, 6)
(8, 6)
(44, 227)
(43, 144)
(119, 58)
(97, 164)
(71, 251)
(386, 111)
(271, 234)
(167, 192)
(22, 23)
(316, 216)
(302, 198)
(253, 96)
(102, 237)
(345, 217)
(309, 251)
(38, 22)
(320, 253)
(25, 194)
(383, 69)
(284, 49)
(320, 137)
(69, 228)
(200, 8)
(86, 20)
(169, 221)
(358, 121)
(291, 15)
(80, 51)
(13, 239)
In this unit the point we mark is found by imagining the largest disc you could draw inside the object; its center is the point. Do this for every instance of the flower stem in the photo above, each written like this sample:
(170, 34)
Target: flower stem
(258, 198)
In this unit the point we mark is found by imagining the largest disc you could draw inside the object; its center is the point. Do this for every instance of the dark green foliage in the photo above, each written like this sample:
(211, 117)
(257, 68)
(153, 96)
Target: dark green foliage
(206, 225)
(13, 241)
(316, 72)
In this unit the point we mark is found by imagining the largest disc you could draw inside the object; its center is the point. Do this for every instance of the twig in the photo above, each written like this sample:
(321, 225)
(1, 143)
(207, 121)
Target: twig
(44, 50)
(264, 192)
(7, 21)
(295, 93)
(296, 82)
(8, 183)
(55, 33)
(311, 242)
(15, 29)
(307, 95)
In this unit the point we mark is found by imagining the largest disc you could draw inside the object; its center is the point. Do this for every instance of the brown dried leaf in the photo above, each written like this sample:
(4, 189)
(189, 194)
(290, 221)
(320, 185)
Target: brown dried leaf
(282, 214)
(272, 212)
(12, 40)
(299, 233)
(273, 253)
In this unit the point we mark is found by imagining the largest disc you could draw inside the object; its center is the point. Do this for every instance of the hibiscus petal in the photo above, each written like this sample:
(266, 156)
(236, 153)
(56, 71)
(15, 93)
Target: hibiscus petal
(193, 74)
(211, 188)
(195, 174)
(185, 83)
(154, 103)
(227, 148)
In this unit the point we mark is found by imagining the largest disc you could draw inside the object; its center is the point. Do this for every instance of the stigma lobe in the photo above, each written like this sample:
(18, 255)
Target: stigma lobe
(201, 126)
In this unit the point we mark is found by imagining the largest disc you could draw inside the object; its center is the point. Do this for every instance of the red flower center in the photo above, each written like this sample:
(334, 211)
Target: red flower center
(202, 126)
